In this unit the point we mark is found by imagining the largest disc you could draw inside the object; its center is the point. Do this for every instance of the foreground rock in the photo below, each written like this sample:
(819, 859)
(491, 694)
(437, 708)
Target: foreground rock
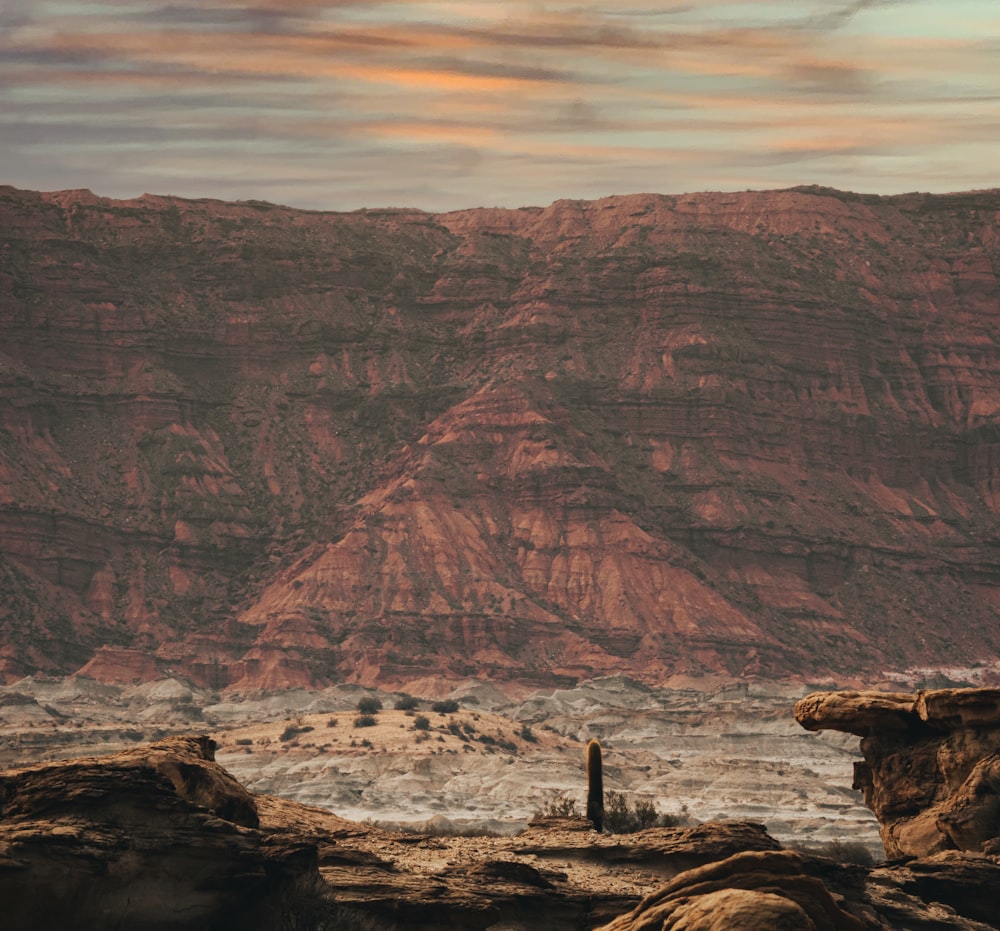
(785, 891)
(161, 837)
(155, 837)
(754, 890)
(931, 770)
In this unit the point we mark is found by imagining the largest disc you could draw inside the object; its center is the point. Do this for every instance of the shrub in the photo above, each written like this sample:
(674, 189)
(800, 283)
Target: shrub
(844, 851)
(293, 730)
(851, 852)
(564, 807)
(526, 734)
(406, 703)
(244, 742)
(448, 706)
(421, 723)
(365, 720)
(369, 705)
(619, 818)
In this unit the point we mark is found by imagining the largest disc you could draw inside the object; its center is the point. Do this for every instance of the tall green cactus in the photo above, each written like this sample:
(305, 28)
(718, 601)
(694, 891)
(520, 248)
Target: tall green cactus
(595, 786)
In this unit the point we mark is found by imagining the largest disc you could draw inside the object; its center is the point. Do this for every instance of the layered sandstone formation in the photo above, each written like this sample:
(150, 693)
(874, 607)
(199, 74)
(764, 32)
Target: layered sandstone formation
(161, 837)
(931, 770)
(158, 837)
(255, 447)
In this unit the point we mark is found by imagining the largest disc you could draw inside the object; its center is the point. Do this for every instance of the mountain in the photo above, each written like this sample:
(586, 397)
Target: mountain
(750, 434)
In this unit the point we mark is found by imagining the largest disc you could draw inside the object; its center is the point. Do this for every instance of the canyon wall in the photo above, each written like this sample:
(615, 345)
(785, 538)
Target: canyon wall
(749, 434)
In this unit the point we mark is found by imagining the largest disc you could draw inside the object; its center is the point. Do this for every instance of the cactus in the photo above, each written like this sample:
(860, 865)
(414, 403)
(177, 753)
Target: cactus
(595, 786)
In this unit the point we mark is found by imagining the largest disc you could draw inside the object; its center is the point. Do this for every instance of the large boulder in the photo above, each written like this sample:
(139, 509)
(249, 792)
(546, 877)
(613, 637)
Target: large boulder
(752, 891)
(931, 770)
(153, 837)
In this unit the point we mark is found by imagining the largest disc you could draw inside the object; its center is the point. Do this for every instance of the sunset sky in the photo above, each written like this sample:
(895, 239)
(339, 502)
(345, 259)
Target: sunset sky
(442, 105)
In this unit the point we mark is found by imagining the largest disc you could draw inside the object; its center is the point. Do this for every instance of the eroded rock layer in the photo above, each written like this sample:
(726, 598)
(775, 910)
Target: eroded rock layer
(931, 772)
(738, 433)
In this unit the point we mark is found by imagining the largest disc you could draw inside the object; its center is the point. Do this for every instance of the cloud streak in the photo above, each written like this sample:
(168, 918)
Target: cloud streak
(836, 19)
(449, 104)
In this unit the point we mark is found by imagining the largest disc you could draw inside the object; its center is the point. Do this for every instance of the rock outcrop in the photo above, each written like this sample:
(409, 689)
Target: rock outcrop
(930, 774)
(752, 891)
(765, 891)
(931, 770)
(749, 433)
(156, 837)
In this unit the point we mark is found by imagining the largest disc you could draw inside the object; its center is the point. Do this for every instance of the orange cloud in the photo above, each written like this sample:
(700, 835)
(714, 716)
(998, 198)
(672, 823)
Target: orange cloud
(545, 96)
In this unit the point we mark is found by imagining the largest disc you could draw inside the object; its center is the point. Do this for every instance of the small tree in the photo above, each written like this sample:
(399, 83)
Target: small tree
(369, 705)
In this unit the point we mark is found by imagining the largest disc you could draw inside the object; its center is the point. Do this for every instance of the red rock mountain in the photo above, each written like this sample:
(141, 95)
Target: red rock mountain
(751, 433)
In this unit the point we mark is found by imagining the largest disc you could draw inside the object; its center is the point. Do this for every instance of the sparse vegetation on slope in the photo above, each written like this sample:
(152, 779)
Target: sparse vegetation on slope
(712, 434)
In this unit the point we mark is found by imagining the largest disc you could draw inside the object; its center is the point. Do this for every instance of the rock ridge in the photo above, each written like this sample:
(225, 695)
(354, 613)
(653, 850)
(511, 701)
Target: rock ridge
(748, 434)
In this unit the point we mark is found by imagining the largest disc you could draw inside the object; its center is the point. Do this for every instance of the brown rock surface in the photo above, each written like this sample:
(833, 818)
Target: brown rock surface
(155, 837)
(751, 891)
(931, 772)
(784, 890)
(744, 433)
(160, 837)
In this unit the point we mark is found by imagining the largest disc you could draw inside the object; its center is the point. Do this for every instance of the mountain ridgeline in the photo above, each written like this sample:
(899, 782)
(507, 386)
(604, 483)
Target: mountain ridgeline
(258, 447)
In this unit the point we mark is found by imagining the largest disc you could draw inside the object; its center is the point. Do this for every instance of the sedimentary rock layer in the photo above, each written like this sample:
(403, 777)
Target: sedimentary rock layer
(931, 772)
(741, 433)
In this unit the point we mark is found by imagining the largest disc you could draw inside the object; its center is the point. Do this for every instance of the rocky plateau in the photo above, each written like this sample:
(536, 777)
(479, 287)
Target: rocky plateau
(160, 836)
(743, 435)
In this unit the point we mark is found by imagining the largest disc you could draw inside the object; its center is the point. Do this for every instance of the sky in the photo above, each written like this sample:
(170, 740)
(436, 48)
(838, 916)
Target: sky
(338, 105)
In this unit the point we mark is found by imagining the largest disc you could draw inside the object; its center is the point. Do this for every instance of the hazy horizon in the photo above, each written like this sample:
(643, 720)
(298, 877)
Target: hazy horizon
(450, 105)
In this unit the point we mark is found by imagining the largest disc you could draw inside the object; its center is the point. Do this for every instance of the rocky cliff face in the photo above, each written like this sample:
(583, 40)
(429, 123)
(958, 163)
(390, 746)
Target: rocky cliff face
(931, 772)
(740, 433)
